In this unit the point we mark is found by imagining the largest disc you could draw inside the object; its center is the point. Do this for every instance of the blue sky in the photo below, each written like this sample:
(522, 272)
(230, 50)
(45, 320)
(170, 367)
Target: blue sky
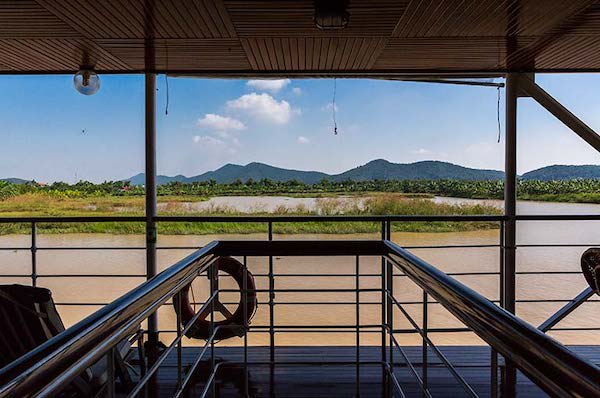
(50, 132)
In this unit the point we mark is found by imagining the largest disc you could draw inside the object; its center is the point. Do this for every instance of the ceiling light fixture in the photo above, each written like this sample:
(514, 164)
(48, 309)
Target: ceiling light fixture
(86, 81)
(331, 14)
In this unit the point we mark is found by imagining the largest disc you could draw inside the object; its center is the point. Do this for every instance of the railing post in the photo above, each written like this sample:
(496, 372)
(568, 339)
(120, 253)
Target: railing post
(214, 278)
(384, 389)
(494, 353)
(271, 302)
(271, 314)
(510, 211)
(357, 284)
(33, 254)
(424, 356)
(246, 326)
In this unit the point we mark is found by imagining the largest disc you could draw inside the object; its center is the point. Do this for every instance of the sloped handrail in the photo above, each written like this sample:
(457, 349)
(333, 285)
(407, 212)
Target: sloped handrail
(549, 364)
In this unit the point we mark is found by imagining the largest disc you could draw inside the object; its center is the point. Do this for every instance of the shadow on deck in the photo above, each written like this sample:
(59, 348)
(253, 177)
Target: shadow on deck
(299, 375)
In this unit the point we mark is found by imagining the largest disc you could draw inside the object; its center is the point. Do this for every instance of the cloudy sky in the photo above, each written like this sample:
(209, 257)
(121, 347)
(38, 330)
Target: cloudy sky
(50, 132)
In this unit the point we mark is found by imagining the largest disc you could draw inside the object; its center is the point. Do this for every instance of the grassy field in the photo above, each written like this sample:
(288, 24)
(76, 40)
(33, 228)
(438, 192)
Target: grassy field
(39, 204)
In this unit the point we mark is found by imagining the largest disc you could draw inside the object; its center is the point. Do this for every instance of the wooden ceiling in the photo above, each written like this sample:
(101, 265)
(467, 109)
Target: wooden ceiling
(251, 37)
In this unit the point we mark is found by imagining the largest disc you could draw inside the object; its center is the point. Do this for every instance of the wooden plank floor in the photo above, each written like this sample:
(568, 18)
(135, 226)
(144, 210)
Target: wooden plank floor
(339, 380)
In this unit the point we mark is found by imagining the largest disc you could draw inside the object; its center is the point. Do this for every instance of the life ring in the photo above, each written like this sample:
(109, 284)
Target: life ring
(201, 328)
(590, 266)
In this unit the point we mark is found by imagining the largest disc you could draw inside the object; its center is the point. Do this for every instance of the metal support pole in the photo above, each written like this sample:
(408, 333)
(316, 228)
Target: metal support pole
(510, 211)
(150, 187)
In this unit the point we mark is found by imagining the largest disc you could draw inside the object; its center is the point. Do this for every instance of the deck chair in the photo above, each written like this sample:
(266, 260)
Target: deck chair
(29, 318)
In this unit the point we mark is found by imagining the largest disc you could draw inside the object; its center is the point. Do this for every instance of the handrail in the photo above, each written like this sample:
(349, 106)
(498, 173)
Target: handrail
(303, 218)
(545, 361)
(68, 354)
(257, 218)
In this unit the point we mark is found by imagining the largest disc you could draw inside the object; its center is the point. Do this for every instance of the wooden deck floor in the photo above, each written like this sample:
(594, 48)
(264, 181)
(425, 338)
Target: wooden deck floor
(339, 380)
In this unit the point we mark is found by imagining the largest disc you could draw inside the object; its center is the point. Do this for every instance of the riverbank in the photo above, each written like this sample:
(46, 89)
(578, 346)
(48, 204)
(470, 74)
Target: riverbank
(380, 204)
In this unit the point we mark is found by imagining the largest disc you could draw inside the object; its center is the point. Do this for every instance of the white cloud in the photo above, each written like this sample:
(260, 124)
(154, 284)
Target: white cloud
(422, 151)
(220, 123)
(263, 107)
(297, 91)
(303, 140)
(207, 140)
(272, 85)
(329, 107)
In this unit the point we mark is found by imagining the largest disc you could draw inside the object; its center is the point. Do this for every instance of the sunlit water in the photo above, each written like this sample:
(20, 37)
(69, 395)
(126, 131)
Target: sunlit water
(96, 290)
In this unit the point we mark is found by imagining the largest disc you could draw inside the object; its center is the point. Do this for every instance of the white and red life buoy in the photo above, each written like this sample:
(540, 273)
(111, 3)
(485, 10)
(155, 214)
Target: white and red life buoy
(225, 328)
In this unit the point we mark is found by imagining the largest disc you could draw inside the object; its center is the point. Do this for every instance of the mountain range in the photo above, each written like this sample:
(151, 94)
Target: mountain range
(376, 169)
(562, 172)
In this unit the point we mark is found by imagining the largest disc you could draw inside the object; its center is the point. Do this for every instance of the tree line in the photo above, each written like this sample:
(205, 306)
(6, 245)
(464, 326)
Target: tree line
(457, 188)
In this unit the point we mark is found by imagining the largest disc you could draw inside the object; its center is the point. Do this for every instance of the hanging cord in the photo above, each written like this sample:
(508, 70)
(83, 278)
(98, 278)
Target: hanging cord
(167, 80)
(333, 108)
(498, 115)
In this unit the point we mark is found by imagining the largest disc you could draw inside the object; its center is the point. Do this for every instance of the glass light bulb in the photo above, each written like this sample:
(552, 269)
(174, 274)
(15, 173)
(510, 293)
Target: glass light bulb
(87, 82)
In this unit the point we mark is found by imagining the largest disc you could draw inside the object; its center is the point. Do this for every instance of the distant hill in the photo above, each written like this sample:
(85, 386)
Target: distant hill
(376, 169)
(140, 179)
(561, 172)
(426, 170)
(14, 180)
(258, 171)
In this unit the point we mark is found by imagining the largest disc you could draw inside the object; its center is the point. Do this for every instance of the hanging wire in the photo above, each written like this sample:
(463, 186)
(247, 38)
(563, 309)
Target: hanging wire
(498, 115)
(333, 108)
(167, 80)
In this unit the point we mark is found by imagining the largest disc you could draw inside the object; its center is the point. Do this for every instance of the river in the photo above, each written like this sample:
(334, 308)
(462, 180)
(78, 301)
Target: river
(529, 287)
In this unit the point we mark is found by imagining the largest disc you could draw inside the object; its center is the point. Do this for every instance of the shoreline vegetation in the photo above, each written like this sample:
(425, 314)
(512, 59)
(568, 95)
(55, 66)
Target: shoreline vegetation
(405, 197)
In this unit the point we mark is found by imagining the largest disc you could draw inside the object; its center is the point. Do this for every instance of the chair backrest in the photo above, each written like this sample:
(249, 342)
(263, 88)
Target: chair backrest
(28, 317)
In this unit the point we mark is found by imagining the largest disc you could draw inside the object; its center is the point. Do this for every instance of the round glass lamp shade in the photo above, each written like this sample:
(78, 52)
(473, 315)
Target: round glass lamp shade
(86, 82)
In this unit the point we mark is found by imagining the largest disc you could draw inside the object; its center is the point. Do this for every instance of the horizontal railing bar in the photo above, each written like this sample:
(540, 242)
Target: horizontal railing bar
(340, 218)
(199, 247)
(74, 248)
(298, 290)
(296, 219)
(253, 219)
(559, 245)
(286, 248)
(90, 275)
(333, 303)
(564, 329)
(548, 273)
(452, 247)
(433, 330)
(557, 217)
(266, 329)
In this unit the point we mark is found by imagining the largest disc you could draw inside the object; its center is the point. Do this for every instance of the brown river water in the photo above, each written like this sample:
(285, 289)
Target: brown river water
(529, 287)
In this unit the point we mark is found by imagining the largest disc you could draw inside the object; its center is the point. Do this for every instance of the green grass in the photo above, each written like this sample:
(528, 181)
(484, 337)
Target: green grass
(380, 204)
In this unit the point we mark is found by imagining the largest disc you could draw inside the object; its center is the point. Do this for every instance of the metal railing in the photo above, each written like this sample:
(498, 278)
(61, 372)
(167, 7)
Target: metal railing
(51, 366)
